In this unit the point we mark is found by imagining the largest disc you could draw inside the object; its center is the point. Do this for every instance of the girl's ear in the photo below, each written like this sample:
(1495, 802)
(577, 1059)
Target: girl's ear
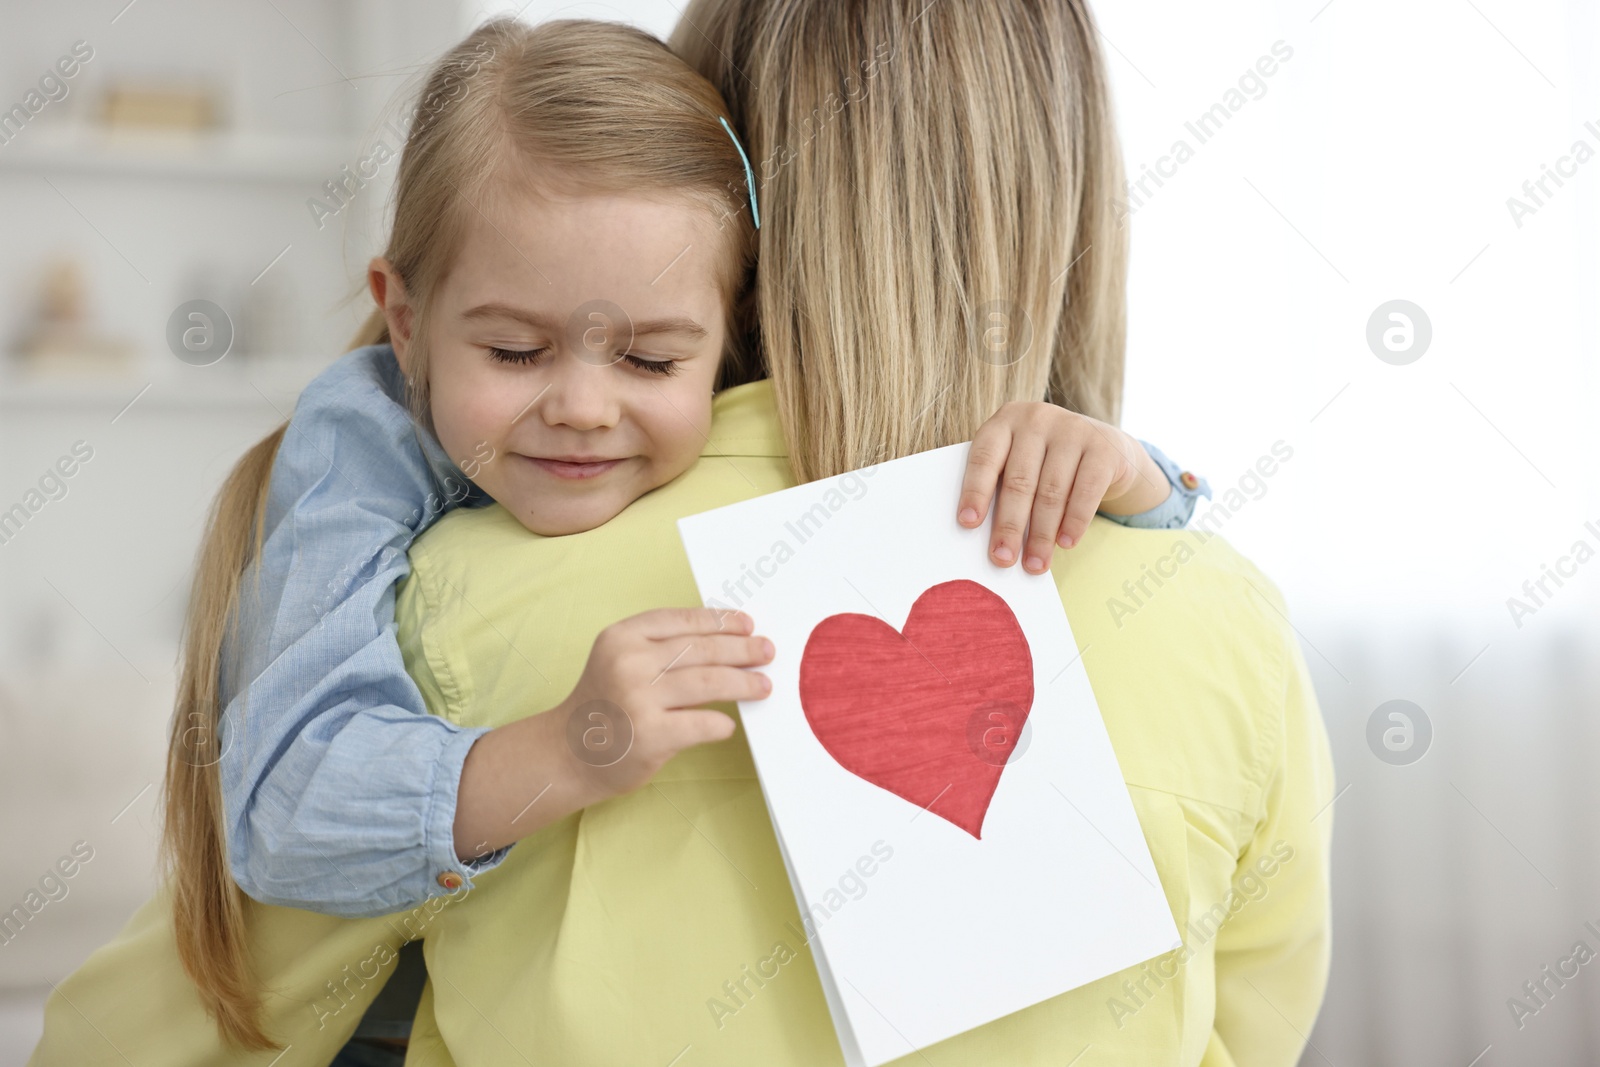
(389, 293)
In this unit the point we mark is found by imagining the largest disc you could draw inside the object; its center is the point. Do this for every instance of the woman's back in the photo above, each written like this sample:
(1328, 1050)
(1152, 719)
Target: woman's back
(663, 919)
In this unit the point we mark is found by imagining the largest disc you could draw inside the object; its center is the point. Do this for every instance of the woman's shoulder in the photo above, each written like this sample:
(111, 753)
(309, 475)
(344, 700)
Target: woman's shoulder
(1189, 650)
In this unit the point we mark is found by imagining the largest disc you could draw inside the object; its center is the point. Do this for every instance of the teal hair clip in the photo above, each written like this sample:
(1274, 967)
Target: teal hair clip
(749, 175)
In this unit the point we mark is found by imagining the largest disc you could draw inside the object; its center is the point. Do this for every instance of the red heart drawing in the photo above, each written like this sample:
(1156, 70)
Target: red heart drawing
(898, 707)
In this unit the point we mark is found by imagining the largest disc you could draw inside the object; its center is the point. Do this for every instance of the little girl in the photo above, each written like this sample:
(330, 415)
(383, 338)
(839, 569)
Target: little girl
(564, 290)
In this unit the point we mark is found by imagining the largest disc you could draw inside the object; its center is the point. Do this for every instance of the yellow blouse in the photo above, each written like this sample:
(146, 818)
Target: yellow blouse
(659, 927)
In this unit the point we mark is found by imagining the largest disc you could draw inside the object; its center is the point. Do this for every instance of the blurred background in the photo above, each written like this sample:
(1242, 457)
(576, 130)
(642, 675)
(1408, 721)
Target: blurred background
(1363, 231)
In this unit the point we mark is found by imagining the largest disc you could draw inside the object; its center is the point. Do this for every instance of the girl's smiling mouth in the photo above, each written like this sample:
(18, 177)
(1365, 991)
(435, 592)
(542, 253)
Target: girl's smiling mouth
(573, 467)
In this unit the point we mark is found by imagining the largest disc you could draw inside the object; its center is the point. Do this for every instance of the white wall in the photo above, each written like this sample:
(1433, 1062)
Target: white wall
(1376, 166)
(92, 587)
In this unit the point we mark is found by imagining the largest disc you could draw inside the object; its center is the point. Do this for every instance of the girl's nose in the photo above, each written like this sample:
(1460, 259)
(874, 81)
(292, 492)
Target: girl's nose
(581, 395)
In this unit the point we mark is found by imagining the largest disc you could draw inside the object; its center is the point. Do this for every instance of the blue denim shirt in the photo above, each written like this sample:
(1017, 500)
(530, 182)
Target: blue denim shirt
(1174, 512)
(339, 788)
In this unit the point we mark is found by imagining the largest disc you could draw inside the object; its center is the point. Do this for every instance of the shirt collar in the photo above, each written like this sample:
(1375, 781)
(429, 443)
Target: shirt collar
(744, 422)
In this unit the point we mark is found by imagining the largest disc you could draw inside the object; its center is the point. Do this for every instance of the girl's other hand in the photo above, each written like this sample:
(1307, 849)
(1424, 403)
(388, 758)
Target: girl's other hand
(1055, 469)
(639, 701)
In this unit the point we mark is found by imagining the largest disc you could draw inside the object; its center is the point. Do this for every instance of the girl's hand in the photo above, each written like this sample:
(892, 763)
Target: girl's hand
(639, 700)
(1059, 468)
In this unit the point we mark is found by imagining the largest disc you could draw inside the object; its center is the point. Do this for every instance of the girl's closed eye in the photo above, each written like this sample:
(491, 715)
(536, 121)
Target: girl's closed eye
(514, 355)
(653, 366)
(532, 355)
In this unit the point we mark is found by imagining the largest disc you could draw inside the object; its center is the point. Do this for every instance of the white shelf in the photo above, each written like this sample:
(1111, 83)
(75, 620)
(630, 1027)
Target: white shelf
(268, 383)
(236, 156)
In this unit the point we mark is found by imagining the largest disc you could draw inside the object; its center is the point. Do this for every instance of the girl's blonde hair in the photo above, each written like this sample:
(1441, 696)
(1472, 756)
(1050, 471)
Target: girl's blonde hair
(600, 105)
(938, 186)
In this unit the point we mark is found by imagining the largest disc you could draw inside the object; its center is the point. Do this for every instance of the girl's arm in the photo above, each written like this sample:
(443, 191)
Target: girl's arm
(564, 769)
(339, 788)
(342, 793)
(1185, 489)
(1055, 469)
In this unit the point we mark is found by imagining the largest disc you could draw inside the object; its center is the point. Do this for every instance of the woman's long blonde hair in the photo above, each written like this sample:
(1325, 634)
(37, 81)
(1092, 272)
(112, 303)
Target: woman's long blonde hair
(938, 187)
(599, 103)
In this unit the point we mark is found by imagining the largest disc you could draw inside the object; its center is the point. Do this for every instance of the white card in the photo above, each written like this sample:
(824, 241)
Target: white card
(930, 913)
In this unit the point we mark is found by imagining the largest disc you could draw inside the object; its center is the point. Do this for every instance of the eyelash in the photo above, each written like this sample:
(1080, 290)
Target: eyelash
(663, 367)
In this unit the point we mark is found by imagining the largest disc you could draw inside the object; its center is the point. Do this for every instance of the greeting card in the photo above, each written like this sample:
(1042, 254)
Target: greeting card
(958, 836)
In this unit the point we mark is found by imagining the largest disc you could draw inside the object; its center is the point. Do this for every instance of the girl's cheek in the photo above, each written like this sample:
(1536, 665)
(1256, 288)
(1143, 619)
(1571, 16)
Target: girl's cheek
(680, 439)
(462, 429)
(480, 434)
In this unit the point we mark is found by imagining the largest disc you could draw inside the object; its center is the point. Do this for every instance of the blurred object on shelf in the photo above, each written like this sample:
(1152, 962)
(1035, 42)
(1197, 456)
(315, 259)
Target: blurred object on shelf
(61, 338)
(133, 105)
(207, 279)
(269, 319)
(262, 312)
(250, 157)
(40, 641)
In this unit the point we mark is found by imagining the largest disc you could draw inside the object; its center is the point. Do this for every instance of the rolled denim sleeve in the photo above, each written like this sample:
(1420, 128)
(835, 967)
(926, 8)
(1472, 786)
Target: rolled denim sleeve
(339, 787)
(1174, 512)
